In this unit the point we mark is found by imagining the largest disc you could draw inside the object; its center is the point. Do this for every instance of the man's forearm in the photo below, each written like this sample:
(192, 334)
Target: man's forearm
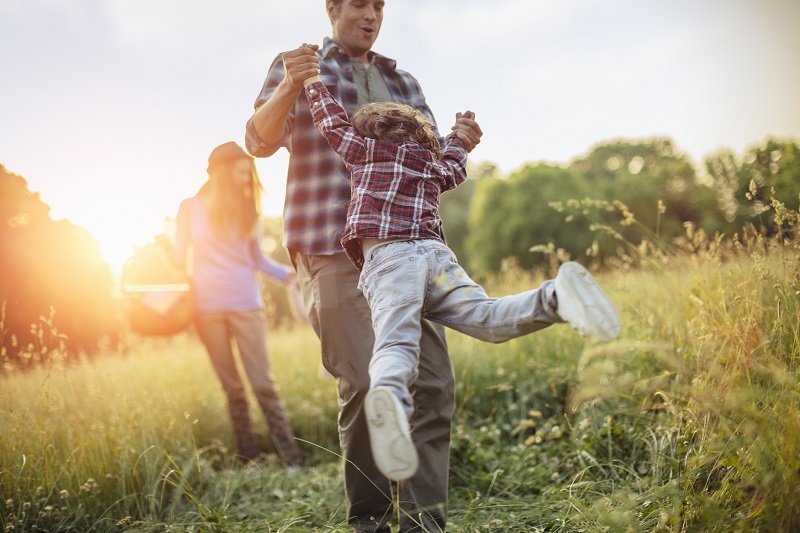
(269, 119)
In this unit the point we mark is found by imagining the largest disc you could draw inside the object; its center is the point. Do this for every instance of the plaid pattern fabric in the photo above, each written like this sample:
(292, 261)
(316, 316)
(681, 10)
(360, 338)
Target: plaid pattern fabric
(318, 184)
(395, 187)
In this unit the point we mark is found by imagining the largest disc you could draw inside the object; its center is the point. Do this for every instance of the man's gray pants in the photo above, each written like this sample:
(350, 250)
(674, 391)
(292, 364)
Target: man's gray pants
(339, 314)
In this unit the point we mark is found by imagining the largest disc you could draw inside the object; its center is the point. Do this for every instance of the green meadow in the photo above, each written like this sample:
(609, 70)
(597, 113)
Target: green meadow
(690, 421)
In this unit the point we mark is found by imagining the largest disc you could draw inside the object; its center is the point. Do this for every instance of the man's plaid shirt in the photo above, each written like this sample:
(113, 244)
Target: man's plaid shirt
(395, 187)
(318, 184)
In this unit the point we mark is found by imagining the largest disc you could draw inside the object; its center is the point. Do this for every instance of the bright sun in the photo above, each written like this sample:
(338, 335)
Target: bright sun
(120, 220)
(131, 210)
(120, 233)
(117, 245)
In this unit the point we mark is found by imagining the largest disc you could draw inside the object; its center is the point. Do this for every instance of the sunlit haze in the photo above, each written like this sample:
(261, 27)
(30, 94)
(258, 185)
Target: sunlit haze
(110, 109)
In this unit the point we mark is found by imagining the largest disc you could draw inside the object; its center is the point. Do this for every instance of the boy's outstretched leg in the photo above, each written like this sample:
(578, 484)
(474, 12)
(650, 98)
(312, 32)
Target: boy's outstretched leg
(390, 434)
(583, 304)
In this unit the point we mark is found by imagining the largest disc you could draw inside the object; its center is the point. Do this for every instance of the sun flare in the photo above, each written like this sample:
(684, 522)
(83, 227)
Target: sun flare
(120, 222)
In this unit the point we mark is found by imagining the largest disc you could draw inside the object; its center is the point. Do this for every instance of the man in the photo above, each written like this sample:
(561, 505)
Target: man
(317, 196)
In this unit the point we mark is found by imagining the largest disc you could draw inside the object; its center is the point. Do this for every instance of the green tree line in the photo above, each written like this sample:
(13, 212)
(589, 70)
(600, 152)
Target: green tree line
(619, 194)
(56, 291)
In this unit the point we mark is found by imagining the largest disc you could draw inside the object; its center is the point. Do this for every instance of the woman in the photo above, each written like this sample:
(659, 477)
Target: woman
(217, 242)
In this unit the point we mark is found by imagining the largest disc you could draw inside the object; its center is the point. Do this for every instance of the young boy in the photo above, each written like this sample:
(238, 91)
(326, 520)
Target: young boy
(394, 236)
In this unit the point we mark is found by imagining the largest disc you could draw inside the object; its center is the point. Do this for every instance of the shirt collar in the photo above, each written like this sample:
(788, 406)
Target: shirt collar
(331, 49)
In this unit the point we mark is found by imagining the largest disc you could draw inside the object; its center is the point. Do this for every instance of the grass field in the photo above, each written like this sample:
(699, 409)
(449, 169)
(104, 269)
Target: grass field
(689, 422)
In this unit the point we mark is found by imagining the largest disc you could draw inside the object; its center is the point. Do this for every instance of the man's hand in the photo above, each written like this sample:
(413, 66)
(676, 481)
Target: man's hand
(269, 120)
(300, 64)
(467, 129)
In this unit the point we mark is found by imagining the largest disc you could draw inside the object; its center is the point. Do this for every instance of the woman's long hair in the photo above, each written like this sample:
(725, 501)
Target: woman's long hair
(395, 122)
(233, 205)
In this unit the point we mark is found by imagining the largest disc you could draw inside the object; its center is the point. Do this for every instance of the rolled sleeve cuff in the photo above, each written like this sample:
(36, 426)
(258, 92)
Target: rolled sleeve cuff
(257, 147)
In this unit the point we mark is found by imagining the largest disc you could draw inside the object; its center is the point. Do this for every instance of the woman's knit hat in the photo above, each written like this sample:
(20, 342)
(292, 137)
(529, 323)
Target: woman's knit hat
(224, 153)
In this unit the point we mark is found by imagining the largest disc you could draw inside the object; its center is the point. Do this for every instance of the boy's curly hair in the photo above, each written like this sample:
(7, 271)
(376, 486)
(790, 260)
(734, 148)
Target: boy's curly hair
(394, 122)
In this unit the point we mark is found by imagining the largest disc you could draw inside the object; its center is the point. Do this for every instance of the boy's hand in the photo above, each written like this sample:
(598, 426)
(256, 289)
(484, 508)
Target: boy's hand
(300, 64)
(467, 129)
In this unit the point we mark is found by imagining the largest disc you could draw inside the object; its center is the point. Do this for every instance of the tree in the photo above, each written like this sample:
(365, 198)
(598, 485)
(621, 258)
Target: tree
(657, 184)
(509, 216)
(746, 186)
(56, 291)
(619, 191)
(455, 206)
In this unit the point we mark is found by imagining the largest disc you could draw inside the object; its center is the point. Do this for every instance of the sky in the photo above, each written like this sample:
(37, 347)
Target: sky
(109, 108)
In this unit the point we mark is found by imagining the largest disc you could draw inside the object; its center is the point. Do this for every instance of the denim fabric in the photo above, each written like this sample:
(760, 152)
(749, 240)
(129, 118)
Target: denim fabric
(341, 318)
(405, 282)
(248, 328)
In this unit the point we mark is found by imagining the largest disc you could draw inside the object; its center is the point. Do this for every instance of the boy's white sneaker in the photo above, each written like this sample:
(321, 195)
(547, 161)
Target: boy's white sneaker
(583, 304)
(390, 435)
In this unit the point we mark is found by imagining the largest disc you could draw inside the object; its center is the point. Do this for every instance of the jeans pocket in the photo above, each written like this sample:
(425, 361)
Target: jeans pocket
(391, 282)
(449, 273)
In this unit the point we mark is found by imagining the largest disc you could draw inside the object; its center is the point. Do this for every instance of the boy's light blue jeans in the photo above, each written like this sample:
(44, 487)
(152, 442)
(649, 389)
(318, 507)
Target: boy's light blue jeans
(409, 280)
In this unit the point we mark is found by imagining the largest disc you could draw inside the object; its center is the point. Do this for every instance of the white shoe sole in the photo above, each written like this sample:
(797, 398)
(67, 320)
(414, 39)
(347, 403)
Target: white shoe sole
(390, 435)
(583, 304)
